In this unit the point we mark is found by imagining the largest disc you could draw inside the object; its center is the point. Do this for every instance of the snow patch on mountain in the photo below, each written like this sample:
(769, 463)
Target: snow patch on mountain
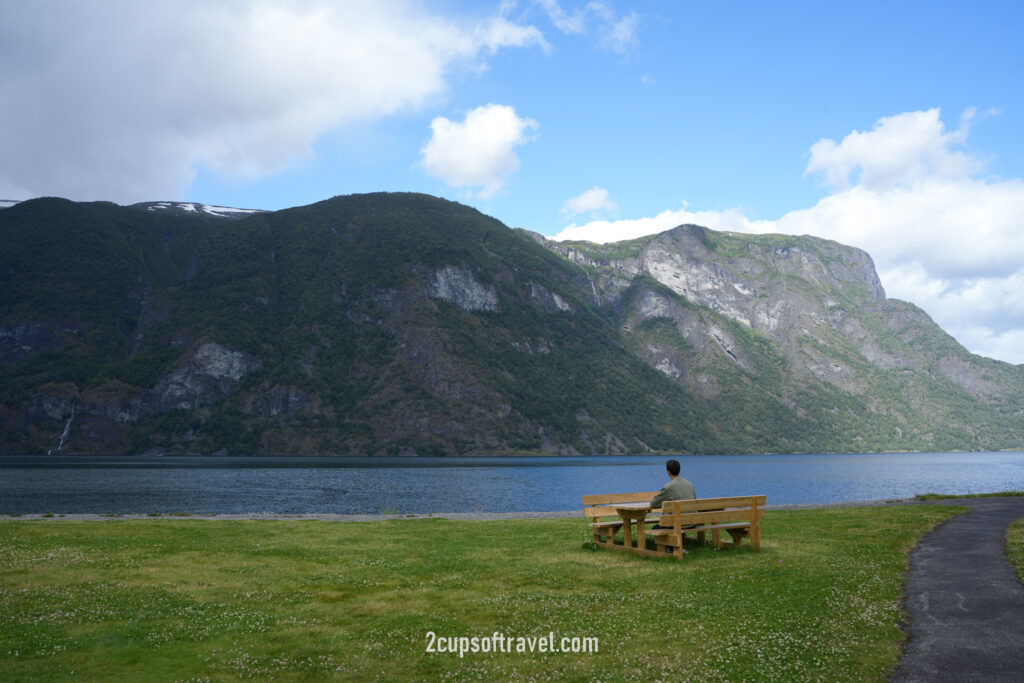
(197, 208)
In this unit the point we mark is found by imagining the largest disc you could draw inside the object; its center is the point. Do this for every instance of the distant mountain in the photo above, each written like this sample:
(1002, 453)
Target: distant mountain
(403, 323)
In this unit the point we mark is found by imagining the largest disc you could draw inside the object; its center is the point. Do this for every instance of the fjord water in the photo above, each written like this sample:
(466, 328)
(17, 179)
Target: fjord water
(307, 485)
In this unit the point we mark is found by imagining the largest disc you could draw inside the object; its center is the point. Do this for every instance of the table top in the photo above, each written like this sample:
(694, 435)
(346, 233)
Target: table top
(632, 506)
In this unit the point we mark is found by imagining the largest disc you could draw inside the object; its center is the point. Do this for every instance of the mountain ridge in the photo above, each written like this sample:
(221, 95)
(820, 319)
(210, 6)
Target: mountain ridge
(397, 323)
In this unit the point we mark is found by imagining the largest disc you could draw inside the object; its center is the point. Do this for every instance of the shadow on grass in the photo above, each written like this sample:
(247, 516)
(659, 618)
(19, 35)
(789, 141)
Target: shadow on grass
(692, 549)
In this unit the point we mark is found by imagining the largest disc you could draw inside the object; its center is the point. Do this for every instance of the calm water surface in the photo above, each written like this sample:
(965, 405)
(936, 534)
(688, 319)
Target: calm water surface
(298, 485)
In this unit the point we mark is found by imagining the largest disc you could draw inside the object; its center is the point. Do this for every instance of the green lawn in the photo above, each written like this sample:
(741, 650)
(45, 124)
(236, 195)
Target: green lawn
(952, 496)
(181, 599)
(1015, 546)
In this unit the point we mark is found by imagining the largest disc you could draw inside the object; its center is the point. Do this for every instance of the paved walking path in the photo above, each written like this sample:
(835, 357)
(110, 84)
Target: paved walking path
(965, 603)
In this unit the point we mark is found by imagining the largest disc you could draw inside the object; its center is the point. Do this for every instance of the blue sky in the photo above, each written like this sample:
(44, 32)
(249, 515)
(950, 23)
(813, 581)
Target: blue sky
(894, 127)
(714, 103)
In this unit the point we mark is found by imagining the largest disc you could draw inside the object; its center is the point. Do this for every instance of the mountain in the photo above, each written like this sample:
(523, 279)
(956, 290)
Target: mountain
(402, 323)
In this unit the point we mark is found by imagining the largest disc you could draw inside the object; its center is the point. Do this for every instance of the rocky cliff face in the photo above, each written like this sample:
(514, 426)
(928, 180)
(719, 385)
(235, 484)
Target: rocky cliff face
(22, 340)
(211, 374)
(765, 287)
(797, 293)
(459, 286)
(802, 319)
(105, 414)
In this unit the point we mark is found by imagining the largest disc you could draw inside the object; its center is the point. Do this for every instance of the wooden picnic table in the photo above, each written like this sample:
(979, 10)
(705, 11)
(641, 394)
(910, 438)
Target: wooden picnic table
(634, 513)
(739, 516)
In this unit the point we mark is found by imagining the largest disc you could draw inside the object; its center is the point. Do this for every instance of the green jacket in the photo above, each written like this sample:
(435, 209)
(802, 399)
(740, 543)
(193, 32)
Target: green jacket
(675, 489)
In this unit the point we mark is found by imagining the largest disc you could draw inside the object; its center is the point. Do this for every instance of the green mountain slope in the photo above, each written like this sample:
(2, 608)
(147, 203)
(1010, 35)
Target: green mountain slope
(792, 339)
(402, 323)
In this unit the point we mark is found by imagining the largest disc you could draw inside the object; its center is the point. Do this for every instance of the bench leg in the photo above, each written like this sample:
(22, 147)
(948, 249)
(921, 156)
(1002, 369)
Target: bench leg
(755, 537)
(716, 538)
(737, 536)
(609, 534)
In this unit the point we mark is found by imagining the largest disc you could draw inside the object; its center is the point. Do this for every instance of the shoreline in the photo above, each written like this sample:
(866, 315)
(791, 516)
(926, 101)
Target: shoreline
(336, 517)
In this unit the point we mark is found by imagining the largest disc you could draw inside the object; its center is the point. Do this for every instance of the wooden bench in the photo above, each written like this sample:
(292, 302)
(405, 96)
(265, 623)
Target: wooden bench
(740, 517)
(597, 506)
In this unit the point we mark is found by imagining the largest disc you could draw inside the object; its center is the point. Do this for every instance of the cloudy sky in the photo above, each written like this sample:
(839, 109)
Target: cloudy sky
(894, 127)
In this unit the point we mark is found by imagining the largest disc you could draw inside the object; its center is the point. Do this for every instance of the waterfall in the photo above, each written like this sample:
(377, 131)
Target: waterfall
(594, 289)
(67, 427)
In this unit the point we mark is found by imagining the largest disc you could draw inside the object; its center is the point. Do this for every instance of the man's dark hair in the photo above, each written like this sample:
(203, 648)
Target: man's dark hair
(673, 467)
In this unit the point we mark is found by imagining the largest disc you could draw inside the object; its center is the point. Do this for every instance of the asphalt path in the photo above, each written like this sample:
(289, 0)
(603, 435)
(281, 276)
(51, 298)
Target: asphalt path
(965, 604)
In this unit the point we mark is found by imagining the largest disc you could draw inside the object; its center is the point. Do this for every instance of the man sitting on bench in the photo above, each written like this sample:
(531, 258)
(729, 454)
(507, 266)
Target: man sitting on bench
(677, 488)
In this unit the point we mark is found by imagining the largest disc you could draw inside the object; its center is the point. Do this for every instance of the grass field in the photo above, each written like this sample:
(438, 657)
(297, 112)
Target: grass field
(952, 496)
(1015, 546)
(180, 599)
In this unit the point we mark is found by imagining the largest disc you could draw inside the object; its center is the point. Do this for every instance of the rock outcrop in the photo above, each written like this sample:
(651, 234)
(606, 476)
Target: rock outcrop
(21, 340)
(457, 285)
(212, 373)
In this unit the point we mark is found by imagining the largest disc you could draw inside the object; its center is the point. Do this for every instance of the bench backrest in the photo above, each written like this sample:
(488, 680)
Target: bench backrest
(713, 510)
(599, 505)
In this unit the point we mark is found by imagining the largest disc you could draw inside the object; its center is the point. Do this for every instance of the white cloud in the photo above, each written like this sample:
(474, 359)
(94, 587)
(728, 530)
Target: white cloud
(592, 201)
(566, 22)
(122, 100)
(619, 34)
(614, 32)
(909, 194)
(900, 150)
(480, 151)
(955, 229)
(602, 231)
